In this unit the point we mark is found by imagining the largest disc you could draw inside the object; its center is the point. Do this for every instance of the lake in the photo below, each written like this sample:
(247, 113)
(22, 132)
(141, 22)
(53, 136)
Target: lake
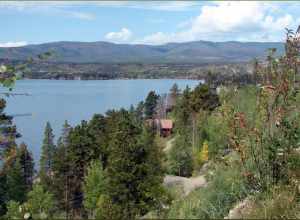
(59, 100)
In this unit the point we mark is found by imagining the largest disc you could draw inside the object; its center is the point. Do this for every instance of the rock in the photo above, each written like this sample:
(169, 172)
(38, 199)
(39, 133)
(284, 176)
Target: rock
(188, 184)
(240, 209)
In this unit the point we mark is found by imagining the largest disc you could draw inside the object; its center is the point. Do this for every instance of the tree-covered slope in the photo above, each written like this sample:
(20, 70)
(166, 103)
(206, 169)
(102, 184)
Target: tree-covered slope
(104, 52)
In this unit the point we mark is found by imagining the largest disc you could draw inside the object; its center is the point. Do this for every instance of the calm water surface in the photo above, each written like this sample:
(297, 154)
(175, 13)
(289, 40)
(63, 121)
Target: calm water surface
(59, 100)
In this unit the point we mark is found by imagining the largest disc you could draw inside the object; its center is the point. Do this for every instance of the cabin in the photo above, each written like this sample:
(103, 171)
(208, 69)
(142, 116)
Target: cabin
(163, 126)
(166, 126)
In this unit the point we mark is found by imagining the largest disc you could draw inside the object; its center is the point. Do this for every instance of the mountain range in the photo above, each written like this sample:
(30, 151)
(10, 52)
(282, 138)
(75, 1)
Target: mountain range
(105, 52)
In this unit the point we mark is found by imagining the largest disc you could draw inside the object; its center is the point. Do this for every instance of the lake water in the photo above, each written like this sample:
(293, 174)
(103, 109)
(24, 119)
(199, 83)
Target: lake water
(59, 100)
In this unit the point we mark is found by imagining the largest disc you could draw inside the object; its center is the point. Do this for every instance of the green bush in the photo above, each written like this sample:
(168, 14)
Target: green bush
(282, 202)
(14, 210)
(225, 188)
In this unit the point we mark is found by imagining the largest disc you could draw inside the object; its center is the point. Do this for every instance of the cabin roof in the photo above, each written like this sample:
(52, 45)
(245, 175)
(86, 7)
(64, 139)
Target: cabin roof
(166, 124)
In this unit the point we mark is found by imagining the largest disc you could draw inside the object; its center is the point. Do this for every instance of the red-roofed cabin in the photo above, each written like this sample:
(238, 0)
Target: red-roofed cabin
(166, 127)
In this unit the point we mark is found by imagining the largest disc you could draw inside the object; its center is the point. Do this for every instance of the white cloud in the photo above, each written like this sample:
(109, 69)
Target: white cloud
(148, 5)
(13, 44)
(225, 21)
(122, 36)
(156, 38)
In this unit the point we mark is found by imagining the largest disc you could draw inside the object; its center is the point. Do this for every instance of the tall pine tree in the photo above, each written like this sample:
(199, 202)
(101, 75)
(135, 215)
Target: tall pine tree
(79, 155)
(46, 160)
(150, 104)
(16, 187)
(27, 165)
(61, 168)
(10, 170)
(134, 174)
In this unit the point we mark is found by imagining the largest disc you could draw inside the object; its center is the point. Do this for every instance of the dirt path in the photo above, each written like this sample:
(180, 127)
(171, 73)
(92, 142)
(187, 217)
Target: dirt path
(188, 184)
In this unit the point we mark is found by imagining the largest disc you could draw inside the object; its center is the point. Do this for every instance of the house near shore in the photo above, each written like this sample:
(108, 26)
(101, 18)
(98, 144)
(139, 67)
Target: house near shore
(163, 126)
(166, 127)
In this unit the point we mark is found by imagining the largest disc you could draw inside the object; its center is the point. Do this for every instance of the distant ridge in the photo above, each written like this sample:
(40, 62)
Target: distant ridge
(105, 52)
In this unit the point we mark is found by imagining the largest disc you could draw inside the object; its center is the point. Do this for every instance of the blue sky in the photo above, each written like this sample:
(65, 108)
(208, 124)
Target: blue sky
(145, 22)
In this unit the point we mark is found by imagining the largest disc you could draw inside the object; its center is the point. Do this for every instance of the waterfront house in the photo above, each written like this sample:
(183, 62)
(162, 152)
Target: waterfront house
(166, 126)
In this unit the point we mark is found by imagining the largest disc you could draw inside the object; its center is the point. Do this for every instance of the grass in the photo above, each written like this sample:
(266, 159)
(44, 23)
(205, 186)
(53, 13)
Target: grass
(226, 187)
(283, 202)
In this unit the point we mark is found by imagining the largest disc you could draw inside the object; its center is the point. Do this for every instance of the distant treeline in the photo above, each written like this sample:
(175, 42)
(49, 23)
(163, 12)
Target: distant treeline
(224, 73)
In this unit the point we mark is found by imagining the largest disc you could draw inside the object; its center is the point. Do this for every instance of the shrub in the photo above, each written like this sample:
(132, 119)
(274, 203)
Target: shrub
(226, 187)
(201, 156)
(282, 202)
(14, 210)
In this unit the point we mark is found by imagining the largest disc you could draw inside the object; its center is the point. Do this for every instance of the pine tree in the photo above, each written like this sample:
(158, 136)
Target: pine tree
(94, 185)
(150, 173)
(3, 193)
(150, 104)
(65, 133)
(79, 155)
(60, 175)
(173, 97)
(46, 161)
(183, 111)
(180, 159)
(27, 165)
(61, 168)
(98, 132)
(174, 91)
(16, 186)
(134, 173)
(8, 133)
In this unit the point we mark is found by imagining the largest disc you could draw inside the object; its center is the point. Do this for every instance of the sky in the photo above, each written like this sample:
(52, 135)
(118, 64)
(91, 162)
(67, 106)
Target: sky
(145, 22)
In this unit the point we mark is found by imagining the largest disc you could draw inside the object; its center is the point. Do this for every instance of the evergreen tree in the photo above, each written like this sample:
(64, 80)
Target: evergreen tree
(134, 173)
(150, 104)
(8, 133)
(139, 112)
(150, 173)
(173, 96)
(27, 165)
(183, 111)
(180, 159)
(80, 152)
(98, 132)
(60, 175)
(65, 133)
(203, 99)
(94, 185)
(3, 193)
(174, 91)
(60, 168)
(46, 161)
(10, 172)
(16, 187)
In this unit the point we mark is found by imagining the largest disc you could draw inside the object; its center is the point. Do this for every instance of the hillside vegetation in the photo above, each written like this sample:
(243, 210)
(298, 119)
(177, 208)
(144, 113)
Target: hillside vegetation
(103, 52)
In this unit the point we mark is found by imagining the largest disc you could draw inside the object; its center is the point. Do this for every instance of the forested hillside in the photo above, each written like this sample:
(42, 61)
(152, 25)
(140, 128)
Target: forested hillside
(104, 52)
